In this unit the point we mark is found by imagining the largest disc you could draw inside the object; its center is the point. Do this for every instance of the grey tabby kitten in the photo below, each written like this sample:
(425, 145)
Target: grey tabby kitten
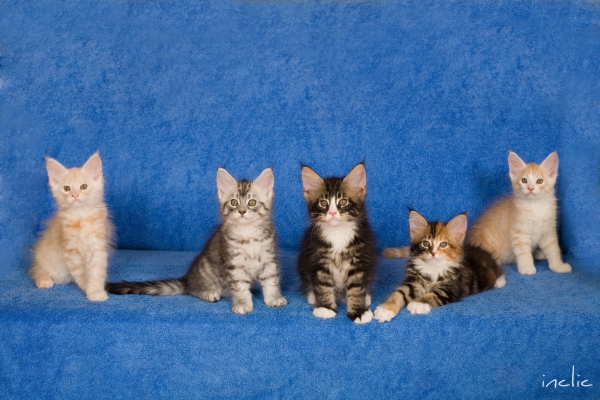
(241, 250)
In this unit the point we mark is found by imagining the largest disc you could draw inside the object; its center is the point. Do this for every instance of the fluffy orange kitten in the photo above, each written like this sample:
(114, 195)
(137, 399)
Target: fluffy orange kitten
(519, 225)
(75, 245)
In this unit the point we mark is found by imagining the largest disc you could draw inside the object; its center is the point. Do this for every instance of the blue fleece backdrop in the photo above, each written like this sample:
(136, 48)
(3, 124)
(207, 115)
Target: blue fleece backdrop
(431, 95)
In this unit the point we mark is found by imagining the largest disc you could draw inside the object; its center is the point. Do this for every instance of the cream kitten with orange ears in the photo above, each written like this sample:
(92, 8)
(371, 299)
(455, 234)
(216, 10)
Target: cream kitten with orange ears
(519, 226)
(75, 245)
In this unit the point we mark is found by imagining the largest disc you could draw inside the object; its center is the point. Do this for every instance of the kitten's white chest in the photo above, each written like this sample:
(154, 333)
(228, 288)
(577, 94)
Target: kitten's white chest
(433, 269)
(339, 236)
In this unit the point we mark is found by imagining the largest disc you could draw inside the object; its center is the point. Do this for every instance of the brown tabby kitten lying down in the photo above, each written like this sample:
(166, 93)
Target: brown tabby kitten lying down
(440, 270)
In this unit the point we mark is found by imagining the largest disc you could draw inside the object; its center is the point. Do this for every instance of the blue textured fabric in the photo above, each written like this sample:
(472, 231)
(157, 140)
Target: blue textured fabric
(431, 95)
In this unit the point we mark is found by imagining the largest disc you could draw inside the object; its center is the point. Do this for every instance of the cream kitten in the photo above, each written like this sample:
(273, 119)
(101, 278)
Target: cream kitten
(75, 245)
(518, 225)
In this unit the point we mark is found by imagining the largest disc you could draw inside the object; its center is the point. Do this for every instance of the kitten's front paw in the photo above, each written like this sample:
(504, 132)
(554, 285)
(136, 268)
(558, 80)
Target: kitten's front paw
(368, 300)
(382, 314)
(500, 282)
(365, 318)
(563, 268)
(311, 298)
(325, 313)
(242, 309)
(416, 307)
(277, 302)
(44, 282)
(100, 295)
(526, 269)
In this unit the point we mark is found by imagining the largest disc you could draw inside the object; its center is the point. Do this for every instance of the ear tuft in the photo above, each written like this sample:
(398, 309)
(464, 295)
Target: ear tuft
(56, 171)
(356, 180)
(265, 180)
(225, 181)
(417, 224)
(457, 227)
(311, 181)
(515, 164)
(550, 165)
(93, 166)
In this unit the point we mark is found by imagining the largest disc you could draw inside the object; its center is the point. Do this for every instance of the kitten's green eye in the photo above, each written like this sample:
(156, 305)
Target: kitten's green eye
(343, 202)
(252, 203)
(323, 203)
(83, 187)
(233, 202)
(67, 188)
(425, 243)
(539, 181)
(443, 245)
(524, 180)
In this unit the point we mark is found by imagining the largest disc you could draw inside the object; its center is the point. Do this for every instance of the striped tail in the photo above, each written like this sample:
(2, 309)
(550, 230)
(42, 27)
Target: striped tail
(396, 252)
(166, 287)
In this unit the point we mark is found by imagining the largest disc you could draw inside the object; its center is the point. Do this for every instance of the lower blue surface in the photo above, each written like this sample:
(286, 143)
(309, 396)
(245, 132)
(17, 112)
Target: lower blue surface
(500, 343)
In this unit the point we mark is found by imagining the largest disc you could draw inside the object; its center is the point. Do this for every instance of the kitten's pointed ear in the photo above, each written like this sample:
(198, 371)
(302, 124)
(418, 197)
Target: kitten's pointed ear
(312, 182)
(457, 227)
(356, 180)
(550, 165)
(417, 224)
(93, 166)
(56, 171)
(265, 180)
(515, 164)
(225, 182)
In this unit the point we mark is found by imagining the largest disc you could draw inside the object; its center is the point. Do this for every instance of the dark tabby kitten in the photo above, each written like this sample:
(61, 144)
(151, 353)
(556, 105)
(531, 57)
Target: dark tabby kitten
(240, 251)
(338, 253)
(440, 270)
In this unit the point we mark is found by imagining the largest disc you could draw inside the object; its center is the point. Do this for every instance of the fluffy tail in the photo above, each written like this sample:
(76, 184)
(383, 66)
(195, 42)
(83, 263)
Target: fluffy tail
(396, 252)
(166, 287)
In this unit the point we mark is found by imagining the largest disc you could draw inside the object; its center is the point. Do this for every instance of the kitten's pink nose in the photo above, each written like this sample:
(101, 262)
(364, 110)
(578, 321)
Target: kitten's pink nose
(75, 195)
(530, 188)
(433, 253)
(333, 213)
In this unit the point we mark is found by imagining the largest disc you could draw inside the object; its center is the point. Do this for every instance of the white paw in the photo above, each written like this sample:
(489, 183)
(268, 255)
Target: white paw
(277, 302)
(415, 307)
(382, 314)
(526, 269)
(500, 282)
(44, 282)
(210, 296)
(562, 268)
(365, 318)
(97, 296)
(242, 309)
(325, 313)
(311, 298)
(368, 300)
